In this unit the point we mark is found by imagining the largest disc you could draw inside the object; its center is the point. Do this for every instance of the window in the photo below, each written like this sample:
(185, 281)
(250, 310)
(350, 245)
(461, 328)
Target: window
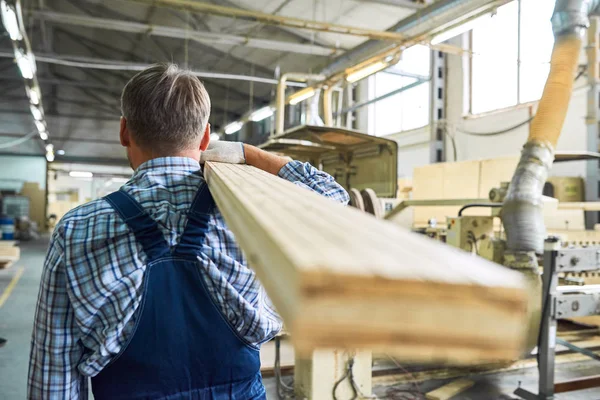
(502, 76)
(408, 108)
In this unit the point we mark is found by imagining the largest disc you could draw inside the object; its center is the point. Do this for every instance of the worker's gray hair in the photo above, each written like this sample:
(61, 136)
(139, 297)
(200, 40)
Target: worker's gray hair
(166, 108)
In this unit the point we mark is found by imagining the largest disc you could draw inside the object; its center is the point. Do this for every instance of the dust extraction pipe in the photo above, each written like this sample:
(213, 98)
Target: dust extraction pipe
(522, 212)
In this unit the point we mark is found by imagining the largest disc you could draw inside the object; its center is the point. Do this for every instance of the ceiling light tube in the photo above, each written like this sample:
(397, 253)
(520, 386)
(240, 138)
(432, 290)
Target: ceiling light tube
(10, 21)
(40, 125)
(26, 63)
(214, 137)
(50, 152)
(366, 71)
(458, 30)
(36, 112)
(302, 95)
(60, 152)
(81, 174)
(43, 135)
(34, 94)
(233, 127)
(261, 114)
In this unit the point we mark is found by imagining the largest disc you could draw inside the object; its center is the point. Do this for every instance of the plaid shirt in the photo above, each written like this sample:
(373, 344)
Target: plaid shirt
(91, 282)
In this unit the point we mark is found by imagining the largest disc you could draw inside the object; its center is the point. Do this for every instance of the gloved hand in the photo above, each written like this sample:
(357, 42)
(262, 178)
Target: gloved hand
(225, 152)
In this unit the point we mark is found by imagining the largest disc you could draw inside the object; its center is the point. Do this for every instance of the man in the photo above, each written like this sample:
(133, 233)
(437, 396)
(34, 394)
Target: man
(145, 291)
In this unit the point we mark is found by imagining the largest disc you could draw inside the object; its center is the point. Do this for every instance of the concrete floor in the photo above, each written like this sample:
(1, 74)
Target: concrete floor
(16, 319)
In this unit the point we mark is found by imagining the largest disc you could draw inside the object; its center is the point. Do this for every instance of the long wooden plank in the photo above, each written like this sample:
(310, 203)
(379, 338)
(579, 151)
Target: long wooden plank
(450, 390)
(343, 279)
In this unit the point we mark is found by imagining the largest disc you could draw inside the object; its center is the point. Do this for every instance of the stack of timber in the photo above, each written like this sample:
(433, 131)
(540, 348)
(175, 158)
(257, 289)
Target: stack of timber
(9, 253)
(340, 278)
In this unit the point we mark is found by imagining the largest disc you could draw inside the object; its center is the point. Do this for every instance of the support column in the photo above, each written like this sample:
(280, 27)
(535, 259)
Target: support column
(592, 179)
(315, 377)
(437, 111)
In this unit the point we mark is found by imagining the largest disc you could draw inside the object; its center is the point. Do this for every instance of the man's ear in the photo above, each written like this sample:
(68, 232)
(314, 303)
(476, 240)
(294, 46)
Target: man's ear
(205, 138)
(124, 133)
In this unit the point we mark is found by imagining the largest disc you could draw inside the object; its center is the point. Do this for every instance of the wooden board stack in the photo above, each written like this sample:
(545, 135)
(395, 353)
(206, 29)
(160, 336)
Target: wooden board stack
(9, 253)
(342, 279)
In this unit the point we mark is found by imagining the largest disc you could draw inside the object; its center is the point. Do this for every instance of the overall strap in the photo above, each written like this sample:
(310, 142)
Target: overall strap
(197, 224)
(145, 229)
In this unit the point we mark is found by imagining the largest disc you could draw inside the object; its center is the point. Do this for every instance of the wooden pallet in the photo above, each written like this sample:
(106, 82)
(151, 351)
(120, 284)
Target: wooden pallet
(343, 279)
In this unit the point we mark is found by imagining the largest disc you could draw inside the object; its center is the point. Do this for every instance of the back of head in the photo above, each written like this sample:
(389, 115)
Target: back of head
(166, 109)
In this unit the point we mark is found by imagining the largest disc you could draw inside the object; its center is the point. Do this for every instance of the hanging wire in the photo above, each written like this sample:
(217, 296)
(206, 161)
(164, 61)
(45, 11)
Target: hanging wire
(349, 374)
(284, 391)
(16, 142)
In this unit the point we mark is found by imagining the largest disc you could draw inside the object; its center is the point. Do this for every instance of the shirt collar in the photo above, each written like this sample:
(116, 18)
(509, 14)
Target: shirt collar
(184, 164)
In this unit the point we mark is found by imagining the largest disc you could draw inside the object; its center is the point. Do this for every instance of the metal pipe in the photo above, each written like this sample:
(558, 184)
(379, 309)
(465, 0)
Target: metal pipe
(411, 5)
(178, 33)
(327, 106)
(428, 21)
(97, 63)
(231, 12)
(280, 101)
(382, 97)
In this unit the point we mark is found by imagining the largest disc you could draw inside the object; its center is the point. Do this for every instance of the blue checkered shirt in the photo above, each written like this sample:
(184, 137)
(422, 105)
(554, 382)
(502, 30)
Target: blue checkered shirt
(92, 278)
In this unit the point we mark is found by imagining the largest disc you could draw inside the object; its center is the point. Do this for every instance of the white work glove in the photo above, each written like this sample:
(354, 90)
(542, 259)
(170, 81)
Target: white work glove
(225, 152)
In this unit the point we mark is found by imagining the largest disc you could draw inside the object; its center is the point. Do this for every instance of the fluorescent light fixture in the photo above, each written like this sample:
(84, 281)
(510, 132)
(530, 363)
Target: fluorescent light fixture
(40, 125)
(215, 137)
(50, 152)
(233, 127)
(261, 114)
(366, 71)
(302, 95)
(458, 30)
(80, 174)
(43, 135)
(10, 21)
(60, 152)
(120, 180)
(26, 63)
(36, 112)
(34, 94)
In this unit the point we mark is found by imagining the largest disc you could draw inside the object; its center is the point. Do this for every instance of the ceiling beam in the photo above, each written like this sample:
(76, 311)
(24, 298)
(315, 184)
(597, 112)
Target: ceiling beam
(411, 5)
(65, 138)
(206, 48)
(185, 34)
(290, 22)
(114, 65)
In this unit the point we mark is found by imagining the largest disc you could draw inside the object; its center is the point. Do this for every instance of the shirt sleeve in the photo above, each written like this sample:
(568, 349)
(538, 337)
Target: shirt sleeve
(55, 346)
(305, 175)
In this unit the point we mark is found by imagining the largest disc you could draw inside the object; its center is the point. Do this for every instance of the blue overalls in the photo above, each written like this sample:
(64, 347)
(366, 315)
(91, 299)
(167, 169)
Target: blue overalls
(182, 346)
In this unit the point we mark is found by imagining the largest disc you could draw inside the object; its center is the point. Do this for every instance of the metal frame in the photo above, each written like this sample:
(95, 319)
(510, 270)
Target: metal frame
(437, 111)
(179, 33)
(592, 178)
(290, 22)
(566, 302)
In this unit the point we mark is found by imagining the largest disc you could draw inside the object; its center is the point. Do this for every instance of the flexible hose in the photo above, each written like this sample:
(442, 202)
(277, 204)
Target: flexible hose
(552, 110)
(522, 211)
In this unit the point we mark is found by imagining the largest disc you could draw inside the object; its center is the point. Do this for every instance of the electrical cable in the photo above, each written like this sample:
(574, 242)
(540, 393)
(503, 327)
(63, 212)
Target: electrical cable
(490, 205)
(501, 132)
(16, 142)
(284, 391)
